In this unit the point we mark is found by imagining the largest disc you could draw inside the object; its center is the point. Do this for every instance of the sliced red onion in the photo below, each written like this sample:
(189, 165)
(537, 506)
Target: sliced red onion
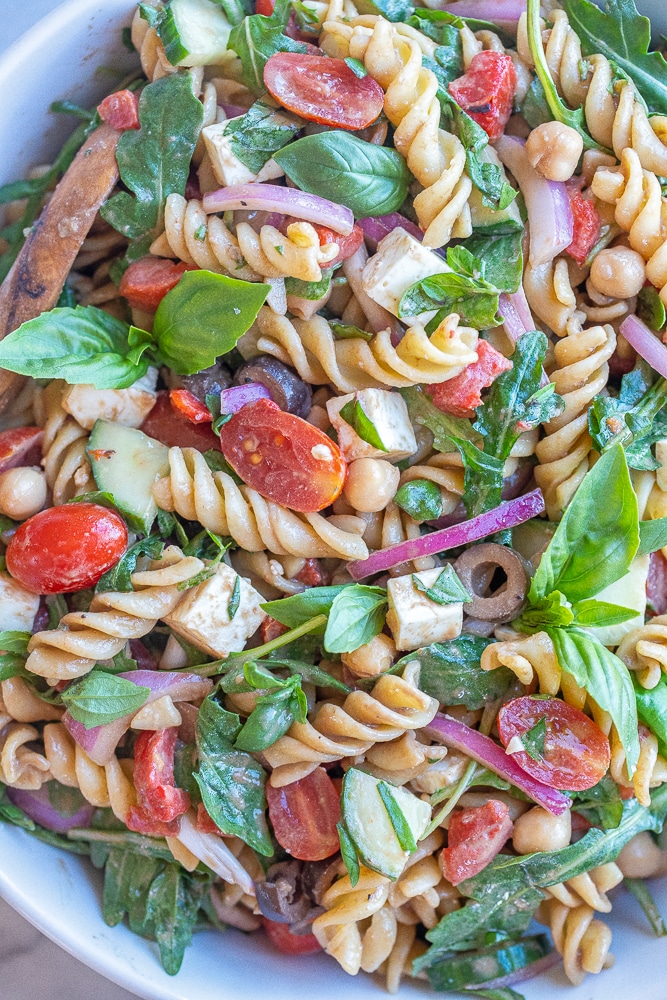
(504, 13)
(212, 850)
(550, 220)
(100, 742)
(233, 110)
(515, 311)
(237, 396)
(507, 515)
(376, 227)
(259, 219)
(645, 342)
(36, 804)
(378, 317)
(481, 748)
(523, 974)
(287, 201)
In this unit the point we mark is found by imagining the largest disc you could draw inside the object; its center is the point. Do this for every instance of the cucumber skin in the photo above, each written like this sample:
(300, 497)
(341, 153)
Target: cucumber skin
(170, 34)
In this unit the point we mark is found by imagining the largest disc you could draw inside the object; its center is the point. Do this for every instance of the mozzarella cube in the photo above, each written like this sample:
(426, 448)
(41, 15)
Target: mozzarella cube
(18, 606)
(628, 592)
(129, 407)
(388, 414)
(226, 166)
(399, 262)
(414, 619)
(202, 617)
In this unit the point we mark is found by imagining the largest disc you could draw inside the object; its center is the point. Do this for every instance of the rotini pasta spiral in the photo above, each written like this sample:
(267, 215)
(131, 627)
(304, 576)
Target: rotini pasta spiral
(551, 297)
(21, 704)
(578, 936)
(214, 499)
(589, 888)
(68, 472)
(644, 650)
(389, 527)
(21, 767)
(102, 786)
(86, 637)
(392, 54)
(337, 929)
(400, 761)
(581, 373)
(651, 769)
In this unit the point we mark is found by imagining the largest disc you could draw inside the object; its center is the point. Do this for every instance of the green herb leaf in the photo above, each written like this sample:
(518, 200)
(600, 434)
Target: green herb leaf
(464, 290)
(392, 10)
(344, 331)
(236, 10)
(651, 309)
(154, 161)
(607, 680)
(84, 345)
(502, 257)
(421, 499)
(357, 614)
(636, 418)
(354, 414)
(348, 854)
(447, 589)
(101, 697)
(533, 739)
(261, 132)
(652, 536)
(274, 712)
(404, 834)
(599, 614)
(465, 971)
(257, 38)
(119, 577)
(554, 611)
(15, 642)
(642, 894)
(450, 672)
(601, 805)
(301, 608)
(368, 179)
(652, 709)
(312, 291)
(357, 68)
(235, 599)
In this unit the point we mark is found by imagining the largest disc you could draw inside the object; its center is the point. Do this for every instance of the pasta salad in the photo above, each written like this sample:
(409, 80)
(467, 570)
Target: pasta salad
(333, 483)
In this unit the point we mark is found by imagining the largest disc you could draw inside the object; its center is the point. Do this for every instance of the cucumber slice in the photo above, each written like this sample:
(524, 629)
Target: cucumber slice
(490, 220)
(126, 462)
(474, 968)
(194, 32)
(379, 818)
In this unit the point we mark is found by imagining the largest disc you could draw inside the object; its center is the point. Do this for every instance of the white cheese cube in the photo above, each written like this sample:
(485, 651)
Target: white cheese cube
(129, 407)
(226, 166)
(388, 414)
(399, 262)
(628, 592)
(661, 456)
(202, 617)
(414, 619)
(18, 606)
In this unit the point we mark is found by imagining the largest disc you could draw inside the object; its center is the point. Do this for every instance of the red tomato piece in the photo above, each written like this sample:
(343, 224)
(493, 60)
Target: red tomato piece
(282, 938)
(576, 751)
(120, 110)
(143, 656)
(283, 457)
(587, 224)
(191, 407)
(311, 574)
(158, 797)
(66, 548)
(204, 822)
(147, 281)
(173, 428)
(323, 90)
(304, 816)
(656, 584)
(264, 7)
(140, 820)
(20, 446)
(461, 394)
(474, 838)
(486, 91)
(270, 629)
(347, 245)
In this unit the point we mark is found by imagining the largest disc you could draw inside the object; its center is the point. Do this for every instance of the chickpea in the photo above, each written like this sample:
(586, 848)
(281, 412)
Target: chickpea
(22, 492)
(539, 830)
(641, 857)
(370, 484)
(618, 272)
(554, 150)
(373, 658)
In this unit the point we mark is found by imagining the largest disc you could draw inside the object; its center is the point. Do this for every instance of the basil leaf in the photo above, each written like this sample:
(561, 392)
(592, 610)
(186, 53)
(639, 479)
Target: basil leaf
(368, 179)
(650, 308)
(172, 907)
(154, 161)
(607, 680)
(15, 642)
(450, 672)
(13, 665)
(119, 577)
(357, 614)
(257, 38)
(404, 834)
(259, 133)
(354, 414)
(597, 538)
(273, 715)
(309, 290)
(84, 345)
(502, 257)
(101, 697)
(652, 709)
(392, 10)
(344, 331)
(308, 672)
(596, 614)
(652, 536)
(421, 499)
(533, 739)
(447, 589)
(553, 610)
(601, 805)
(299, 609)
(464, 290)
(348, 854)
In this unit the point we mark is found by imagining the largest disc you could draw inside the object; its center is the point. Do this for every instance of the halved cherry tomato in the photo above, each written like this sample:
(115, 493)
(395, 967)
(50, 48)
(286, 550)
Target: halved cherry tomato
(20, 446)
(347, 245)
(576, 751)
(474, 838)
(159, 800)
(461, 394)
(120, 110)
(172, 428)
(191, 407)
(282, 938)
(656, 584)
(283, 457)
(66, 548)
(304, 816)
(147, 281)
(486, 91)
(323, 90)
(587, 223)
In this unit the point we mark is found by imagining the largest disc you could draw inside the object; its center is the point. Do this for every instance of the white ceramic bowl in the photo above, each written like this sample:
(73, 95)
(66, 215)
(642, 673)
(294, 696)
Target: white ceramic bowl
(65, 55)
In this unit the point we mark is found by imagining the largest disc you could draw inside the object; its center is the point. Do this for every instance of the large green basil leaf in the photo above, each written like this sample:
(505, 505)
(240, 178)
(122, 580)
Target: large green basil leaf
(300, 608)
(261, 132)
(257, 38)
(357, 614)
(101, 697)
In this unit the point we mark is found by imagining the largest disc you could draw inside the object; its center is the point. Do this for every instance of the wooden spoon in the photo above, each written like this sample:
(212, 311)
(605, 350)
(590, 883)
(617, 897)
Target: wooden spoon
(39, 272)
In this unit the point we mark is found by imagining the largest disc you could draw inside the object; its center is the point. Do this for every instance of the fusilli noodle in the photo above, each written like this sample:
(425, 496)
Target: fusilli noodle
(578, 936)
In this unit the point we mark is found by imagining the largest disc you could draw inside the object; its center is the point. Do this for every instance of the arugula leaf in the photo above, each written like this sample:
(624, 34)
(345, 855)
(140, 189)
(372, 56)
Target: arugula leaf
(652, 536)
(464, 290)
(300, 608)
(431, 22)
(597, 538)
(642, 894)
(15, 642)
(450, 672)
(119, 577)
(354, 414)
(447, 589)
(445, 428)
(344, 331)
(101, 697)
(257, 38)
(154, 161)
(445, 32)
(357, 614)
(261, 132)
(622, 35)
(236, 10)
(601, 805)
(502, 256)
(636, 418)
(607, 680)
(533, 739)
(465, 971)
(421, 499)
(368, 179)
(404, 834)
(392, 10)
(274, 712)
(235, 599)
